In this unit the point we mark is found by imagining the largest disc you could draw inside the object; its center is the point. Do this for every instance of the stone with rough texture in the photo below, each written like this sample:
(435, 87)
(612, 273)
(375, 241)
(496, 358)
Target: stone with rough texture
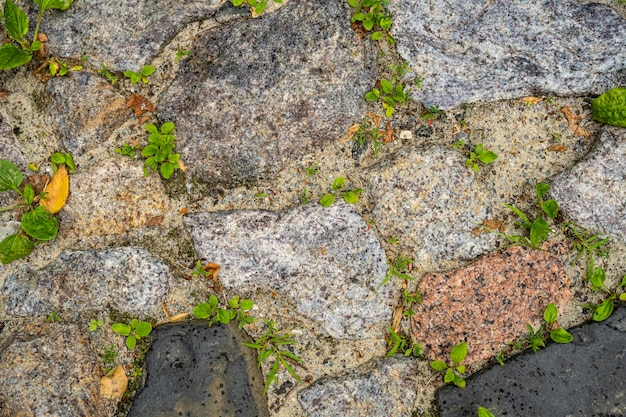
(127, 279)
(593, 192)
(325, 259)
(112, 198)
(259, 92)
(580, 379)
(507, 289)
(50, 370)
(84, 110)
(477, 50)
(432, 202)
(193, 369)
(124, 35)
(387, 389)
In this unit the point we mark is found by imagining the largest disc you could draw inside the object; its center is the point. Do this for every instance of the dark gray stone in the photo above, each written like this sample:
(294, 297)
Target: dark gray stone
(196, 370)
(128, 279)
(260, 92)
(325, 259)
(124, 35)
(593, 192)
(582, 379)
(480, 50)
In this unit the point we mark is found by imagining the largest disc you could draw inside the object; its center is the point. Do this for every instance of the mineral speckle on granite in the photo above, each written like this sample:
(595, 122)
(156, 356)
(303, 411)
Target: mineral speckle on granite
(507, 289)
(325, 259)
(430, 200)
(196, 370)
(128, 279)
(260, 92)
(50, 370)
(477, 50)
(387, 388)
(593, 192)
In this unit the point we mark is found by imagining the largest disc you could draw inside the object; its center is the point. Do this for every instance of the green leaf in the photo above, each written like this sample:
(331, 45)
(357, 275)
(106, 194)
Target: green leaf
(213, 301)
(147, 70)
(550, 313)
(483, 412)
(623, 283)
(15, 21)
(438, 365)
(354, 4)
(597, 278)
(622, 296)
(372, 95)
(352, 197)
(561, 336)
(121, 329)
(167, 128)
(604, 310)
(143, 328)
(246, 305)
(54, 4)
(461, 368)
(459, 382)
(376, 36)
(15, 247)
(487, 157)
(541, 189)
(449, 376)
(368, 23)
(327, 200)
(36, 46)
(131, 342)
(167, 170)
(234, 302)
(385, 23)
(386, 86)
(458, 353)
(237, 3)
(539, 232)
(11, 56)
(57, 158)
(40, 224)
(202, 311)
(610, 107)
(151, 128)
(69, 161)
(338, 183)
(149, 150)
(223, 316)
(550, 207)
(520, 214)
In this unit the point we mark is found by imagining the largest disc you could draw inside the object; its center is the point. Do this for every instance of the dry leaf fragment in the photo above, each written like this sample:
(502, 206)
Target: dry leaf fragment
(388, 133)
(183, 210)
(154, 221)
(114, 384)
(139, 104)
(574, 122)
(531, 101)
(351, 131)
(57, 191)
(558, 148)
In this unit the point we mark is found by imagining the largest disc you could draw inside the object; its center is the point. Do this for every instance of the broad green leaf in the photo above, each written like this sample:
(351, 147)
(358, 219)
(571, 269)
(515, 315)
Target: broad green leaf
(352, 197)
(354, 3)
(11, 56)
(15, 21)
(121, 328)
(15, 247)
(202, 311)
(237, 3)
(622, 296)
(223, 316)
(372, 95)
(539, 232)
(610, 107)
(459, 382)
(246, 305)
(550, 207)
(149, 150)
(358, 17)
(234, 302)
(327, 200)
(10, 176)
(597, 278)
(58, 158)
(36, 46)
(459, 352)
(487, 157)
(338, 183)
(40, 224)
(386, 86)
(561, 336)
(623, 283)
(438, 365)
(131, 342)
(376, 36)
(449, 377)
(541, 189)
(69, 161)
(151, 128)
(604, 310)
(213, 301)
(54, 4)
(385, 23)
(167, 170)
(368, 23)
(550, 313)
(143, 328)
(167, 128)
(483, 412)
(147, 70)
(461, 368)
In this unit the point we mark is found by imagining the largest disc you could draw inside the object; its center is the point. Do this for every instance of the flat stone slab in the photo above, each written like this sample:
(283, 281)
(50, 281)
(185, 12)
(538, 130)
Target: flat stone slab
(257, 93)
(196, 370)
(580, 379)
(593, 192)
(485, 50)
(489, 302)
(325, 259)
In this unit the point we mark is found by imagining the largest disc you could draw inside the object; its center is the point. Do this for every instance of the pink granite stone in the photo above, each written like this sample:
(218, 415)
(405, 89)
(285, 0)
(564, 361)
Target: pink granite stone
(489, 302)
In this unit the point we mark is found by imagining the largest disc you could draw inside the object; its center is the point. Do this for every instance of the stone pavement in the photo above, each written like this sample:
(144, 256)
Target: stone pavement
(265, 111)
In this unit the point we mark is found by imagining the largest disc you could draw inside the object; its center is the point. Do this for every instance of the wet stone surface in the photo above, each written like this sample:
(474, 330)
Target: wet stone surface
(580, 379)
(199, 371)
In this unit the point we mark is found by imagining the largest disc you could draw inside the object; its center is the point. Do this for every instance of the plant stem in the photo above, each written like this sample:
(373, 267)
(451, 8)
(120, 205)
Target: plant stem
(8, 208)
(39, 17)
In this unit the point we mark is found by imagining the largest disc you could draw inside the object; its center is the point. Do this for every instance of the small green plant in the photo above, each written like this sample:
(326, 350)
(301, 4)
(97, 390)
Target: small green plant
(455, 371)
(397, 269)
(180, 53)
(272, 345)
(483, 412)
(374, 17)
(16, 23)
(237, 310)
(432, 113)
(257, 5)
(95, 324)
(109, 355)
(304, 198)
(392, 91)
(558, 334)
(604, 309)
(479, 155)
(103, 70)
(128, 150)
(349, 196)
(588, 244)
(404, 344)
(610, 107)
(37, 224)
(369, 133)
(535, 339)
(59, 158)
(312, 170)
(53, 318)
(408, 299)
(59, 68)
(142, 75)
(133, 331)
(199, 270)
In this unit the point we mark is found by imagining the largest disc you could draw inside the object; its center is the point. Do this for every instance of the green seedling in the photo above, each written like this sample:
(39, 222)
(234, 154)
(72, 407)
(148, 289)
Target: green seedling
(610, 107)
(37, 224)
(53, 318)
(312, 170)
(262, 195)
(393, 240)
(59, 158)
(397, 269)
(349, 196)
(400, 343)
(455, 371)
(535, 339)
(483, 412)
(374, 17)
(95, 324)
(146, 71)
(133, 332)
(479, 156)
(588, 244)
(257, 5)
(128, 150)
(180, 53)
(392, 91)
(558, 334)
(432, 113)
(237, 310)
(604, 309)
(59, 68)
(369, 133)
(304, 198)
(16, 23)
(272, 345)
(109, 355)
(408, 300)
(103, 70)
(199, 270)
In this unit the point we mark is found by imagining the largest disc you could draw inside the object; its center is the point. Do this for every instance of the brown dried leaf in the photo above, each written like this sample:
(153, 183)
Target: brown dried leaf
(38, 182)
(182, 166)
(351, 131)
(388, 133)
(139, 104)
(183, 210)
(41, 37)
(178, 317)
(154, 221)
(558, 148)
(531, 101)
(114, 384)
(57, 191)
(487, 226)
(574, 122)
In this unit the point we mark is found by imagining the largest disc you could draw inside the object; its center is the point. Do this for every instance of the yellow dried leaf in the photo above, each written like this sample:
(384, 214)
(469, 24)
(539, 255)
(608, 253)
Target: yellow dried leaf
(57, 191)
(531, 101)
(114, 384)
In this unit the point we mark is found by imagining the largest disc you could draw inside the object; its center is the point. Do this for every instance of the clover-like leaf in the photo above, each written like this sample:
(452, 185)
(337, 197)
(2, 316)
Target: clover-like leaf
(131, 342)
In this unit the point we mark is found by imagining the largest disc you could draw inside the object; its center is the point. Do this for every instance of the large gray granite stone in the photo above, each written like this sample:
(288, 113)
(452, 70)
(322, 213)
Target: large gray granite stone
(484, 50)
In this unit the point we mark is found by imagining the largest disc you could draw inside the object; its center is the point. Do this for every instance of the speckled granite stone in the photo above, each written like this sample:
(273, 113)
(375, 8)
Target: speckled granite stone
(430, 200)
(593, 192)
(260, 92)
(489, 302)
(478, 50)
(325, 259)
(128, 279)
(384, 388)
(50, 370)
